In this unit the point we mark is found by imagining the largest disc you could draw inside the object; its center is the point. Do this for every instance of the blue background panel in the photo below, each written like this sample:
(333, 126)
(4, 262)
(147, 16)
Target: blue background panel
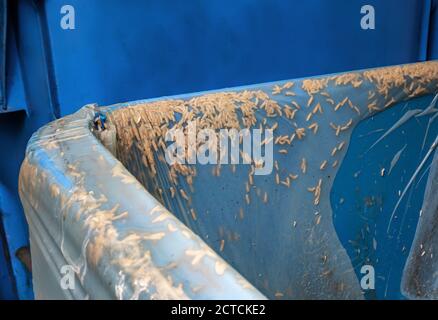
(144, 49)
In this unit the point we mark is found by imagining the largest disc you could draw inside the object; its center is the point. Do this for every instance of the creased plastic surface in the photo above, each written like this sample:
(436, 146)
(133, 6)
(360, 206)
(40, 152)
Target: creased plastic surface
(85, 209)
(420, 278)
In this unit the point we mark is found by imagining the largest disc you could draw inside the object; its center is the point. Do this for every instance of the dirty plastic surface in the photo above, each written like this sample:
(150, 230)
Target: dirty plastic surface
(352, 155)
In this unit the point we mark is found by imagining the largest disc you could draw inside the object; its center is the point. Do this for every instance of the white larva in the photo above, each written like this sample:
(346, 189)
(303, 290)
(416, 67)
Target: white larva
(318, 219)
(265, 197)
(184, 194)
(341, 145)
(193, 213)
(296, 105)
(317, 108)
(304, 165)
(335, 149)
(309, 116)
(314, 127)
(347, 125)
(172, 192)
(241, 214)
(331, 101)
(309, 102)
(300, 132)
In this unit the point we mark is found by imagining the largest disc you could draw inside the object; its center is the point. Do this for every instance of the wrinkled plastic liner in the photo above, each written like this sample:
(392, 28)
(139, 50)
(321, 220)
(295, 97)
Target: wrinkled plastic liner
(276, 229)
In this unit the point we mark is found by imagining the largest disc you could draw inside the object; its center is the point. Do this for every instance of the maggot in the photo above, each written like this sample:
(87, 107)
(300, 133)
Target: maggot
(277, 178)
(317, 192)
(265, 197)
(222, 245)
(357, 110)
(286, 182)
(300, 132)
(336, 127)
(292, 115)
(309, 116)
(282, 151)
(288, 85)
(338, 106)
(293, 176)
(266, 141)
(247, 199)
(250, 179)
(390, 102)
(353, 107)
(192, 211)
(347, 125)
(296, 105)
(281, 140)
(275, 126)
(304, 165)
(309, 102)
(373, 106)
(314, 127)
(183, 194)
(335, 149)
(341, 145)
(318, 219)
(276, 90)
(289, 112)
(344, 101)
(292, 137)
(331, 101)
(317, 108)
(323, 165)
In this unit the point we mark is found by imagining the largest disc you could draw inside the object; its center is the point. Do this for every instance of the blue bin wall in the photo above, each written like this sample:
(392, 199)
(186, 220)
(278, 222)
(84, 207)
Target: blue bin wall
(161, 48)
(433, 34)
(122, 51)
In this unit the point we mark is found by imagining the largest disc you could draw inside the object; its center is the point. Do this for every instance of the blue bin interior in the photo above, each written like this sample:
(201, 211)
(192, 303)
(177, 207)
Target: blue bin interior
(347, 192)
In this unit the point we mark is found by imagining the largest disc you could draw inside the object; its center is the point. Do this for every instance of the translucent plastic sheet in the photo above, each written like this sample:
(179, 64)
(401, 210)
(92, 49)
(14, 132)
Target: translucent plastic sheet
(421, 272)
(228, 232)
(277, 229)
